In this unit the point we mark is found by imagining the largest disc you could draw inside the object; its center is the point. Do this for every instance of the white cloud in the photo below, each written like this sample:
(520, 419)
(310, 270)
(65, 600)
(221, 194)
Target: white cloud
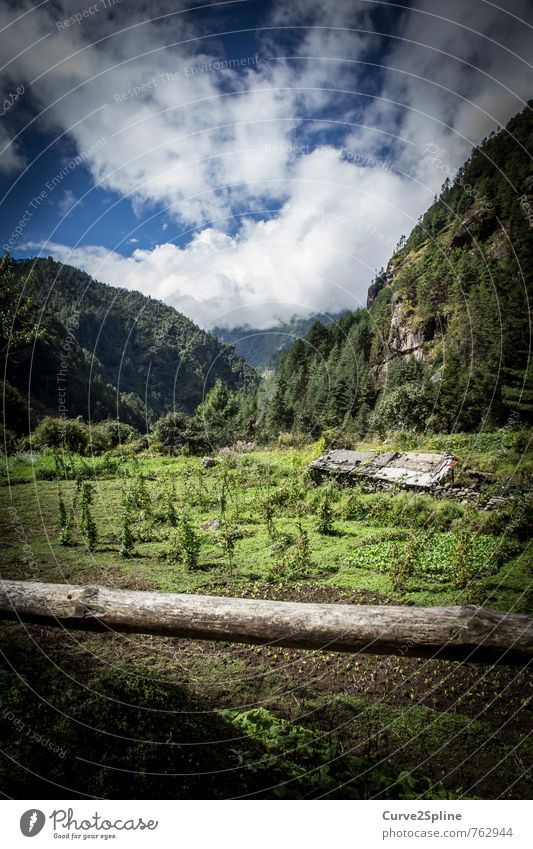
(67, 202)
(209, 145)
(318, 254)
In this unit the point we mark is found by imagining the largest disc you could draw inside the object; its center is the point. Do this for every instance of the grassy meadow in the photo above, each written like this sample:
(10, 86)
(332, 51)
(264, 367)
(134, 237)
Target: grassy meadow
(261, 721)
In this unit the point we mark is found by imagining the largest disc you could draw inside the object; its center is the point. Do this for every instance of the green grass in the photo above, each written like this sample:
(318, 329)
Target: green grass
(357, 554)
(379, 708)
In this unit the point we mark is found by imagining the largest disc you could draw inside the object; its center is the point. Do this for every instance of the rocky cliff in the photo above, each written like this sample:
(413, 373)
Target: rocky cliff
(445, 340)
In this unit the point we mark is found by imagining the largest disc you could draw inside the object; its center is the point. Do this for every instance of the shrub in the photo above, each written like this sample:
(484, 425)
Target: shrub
(405, 563)
(325, 515)
(267, 510)
(8, 441)
(292, 440)
(405, 407)
(381, 508)
(127, 538)
(87, 523)
(65, 526)
(228, 535)
(109, 434)
(67, 434)
(177, 433)
(355, 508)
(189, 542)
(292, 555)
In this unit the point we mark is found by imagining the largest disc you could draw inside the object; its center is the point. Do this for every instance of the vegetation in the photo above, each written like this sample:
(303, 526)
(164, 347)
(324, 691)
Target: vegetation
(118, 495)
(459, 286)
(263, 348)
(70, 332)
(352, 727)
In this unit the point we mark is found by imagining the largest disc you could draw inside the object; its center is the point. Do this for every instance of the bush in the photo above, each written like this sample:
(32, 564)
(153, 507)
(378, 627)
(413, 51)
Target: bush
(189, 542)
(355, 508)
(109, 434)
(292, 554)
(67, 434)
(325, 515)
(87, 523)
(127, 537)
(8, 441)
(406, 407)
(177, 433)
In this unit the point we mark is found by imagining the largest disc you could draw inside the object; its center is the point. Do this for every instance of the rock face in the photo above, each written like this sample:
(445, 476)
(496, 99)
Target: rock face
(403, 337)
(375, 288)
(478, 224)
(410, 333)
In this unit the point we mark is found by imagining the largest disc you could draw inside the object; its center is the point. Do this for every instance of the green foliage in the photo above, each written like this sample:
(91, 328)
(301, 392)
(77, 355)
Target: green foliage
(354, 507)
(405, 407)
(154, 731)
(228, 535)
(62, 433)
(457, 556)
(175, 432)
(17, 326)
(226, 416)
(404, 563)
(459, 294)
(325, 514)
(134, 342)
(127, 537)
(87, 524)
(311, 764)
(137, 497)
(268, 511)
(65, 524)
(109, 434)
(189, 542)
(292, 554)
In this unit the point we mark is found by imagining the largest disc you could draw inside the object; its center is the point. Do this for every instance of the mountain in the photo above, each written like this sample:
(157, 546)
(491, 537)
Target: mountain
(120, 353)
(445, 339)
(262, 349)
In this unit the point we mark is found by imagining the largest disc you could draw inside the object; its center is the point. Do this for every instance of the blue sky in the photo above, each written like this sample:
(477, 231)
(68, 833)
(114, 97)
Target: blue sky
(243, 161)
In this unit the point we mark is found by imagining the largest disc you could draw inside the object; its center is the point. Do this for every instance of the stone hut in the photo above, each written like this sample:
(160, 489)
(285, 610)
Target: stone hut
(387, 468)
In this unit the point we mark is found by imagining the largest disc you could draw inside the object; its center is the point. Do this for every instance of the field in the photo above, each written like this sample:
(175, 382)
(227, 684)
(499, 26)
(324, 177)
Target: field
(189, 718)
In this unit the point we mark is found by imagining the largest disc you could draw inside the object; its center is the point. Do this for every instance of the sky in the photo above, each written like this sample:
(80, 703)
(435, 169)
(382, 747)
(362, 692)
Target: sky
(244, 161)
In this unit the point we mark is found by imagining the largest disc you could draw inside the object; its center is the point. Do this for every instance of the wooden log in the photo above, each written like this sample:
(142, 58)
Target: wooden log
(457, 633)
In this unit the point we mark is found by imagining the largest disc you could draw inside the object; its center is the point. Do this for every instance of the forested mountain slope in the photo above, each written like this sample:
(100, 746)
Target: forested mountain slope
(445, 341)
(261, 348)
(125, 354)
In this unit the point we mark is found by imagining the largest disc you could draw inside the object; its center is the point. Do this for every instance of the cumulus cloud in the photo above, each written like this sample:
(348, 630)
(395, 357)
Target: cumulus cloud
(211, 142)
(317, 254)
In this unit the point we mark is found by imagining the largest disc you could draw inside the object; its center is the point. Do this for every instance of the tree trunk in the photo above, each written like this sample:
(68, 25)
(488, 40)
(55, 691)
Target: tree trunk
(457, 633)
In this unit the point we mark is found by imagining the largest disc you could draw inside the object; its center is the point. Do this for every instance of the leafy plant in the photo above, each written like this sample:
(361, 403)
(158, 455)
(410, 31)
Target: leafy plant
(354, 508)
(404, 563)
(65, 524)
(325, 515)
(127, 537)
(311, 764)
(292, 555)
(228, 535)
(267, 510)
(87, 524)
(189, 542)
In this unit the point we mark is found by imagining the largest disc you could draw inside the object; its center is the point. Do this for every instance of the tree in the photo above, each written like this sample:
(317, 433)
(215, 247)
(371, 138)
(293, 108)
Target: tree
(173, 431)
(217, 413)
(405, 408)
(16, 310)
